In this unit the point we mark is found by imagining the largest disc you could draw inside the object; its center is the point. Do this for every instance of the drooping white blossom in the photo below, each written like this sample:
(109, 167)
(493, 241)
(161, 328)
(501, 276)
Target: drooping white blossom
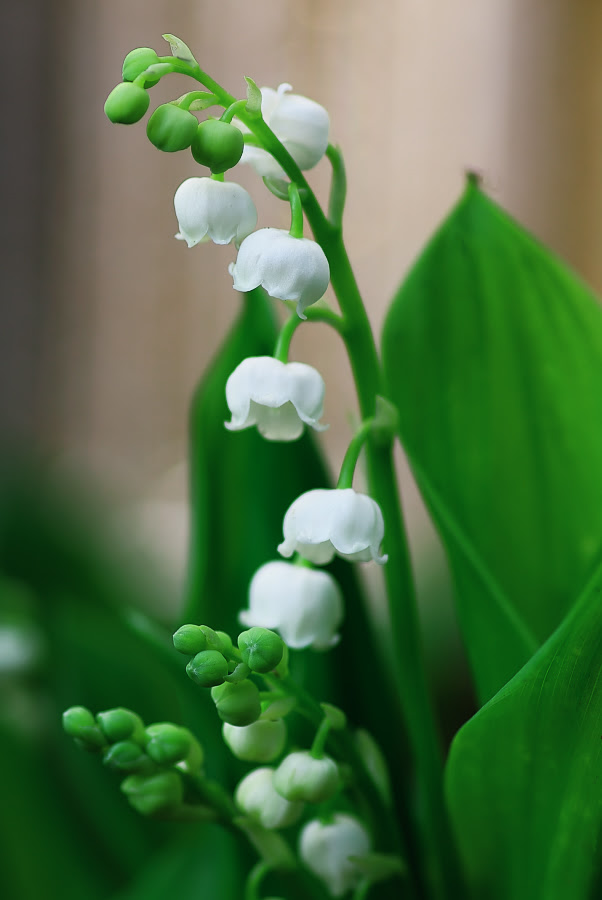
(258, 798)
(320, 523)
(304, 605)
(211, 210)
(325, 849)
(260, 742)
(300, 776)
(280, 398)
(302, 125)
(288, 267)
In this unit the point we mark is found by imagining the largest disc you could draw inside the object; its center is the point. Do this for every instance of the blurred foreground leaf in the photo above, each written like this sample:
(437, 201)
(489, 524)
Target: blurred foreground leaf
(523, 776)
(60, 575)
(493, 355)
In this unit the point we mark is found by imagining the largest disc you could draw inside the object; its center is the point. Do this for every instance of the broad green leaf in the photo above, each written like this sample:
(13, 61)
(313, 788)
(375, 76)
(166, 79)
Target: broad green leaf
(523, 777)
(493, 356)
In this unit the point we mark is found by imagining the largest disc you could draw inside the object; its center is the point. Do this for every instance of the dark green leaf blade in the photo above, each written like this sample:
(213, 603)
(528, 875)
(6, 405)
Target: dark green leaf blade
(523, 777)
(493, 355)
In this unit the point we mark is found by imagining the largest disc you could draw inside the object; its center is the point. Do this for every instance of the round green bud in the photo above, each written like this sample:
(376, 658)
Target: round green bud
(217, 640)
(171, 128)
(217, 145)
(119, 724)
(153, 794)
(226, 643)
(237, 704)
(190, 639)
(303, 779)
(260, 649)
(79, 723)
(136, 62)
(126, 104)
(208, 668)
(127, 756)
(167, 743)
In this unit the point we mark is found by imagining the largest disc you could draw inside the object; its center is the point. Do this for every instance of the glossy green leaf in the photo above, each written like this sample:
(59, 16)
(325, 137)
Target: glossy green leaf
(523, 777)
(493, 356)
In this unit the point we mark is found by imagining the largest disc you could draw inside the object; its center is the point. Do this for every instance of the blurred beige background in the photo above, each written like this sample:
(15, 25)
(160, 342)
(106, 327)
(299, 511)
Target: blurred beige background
(107, 321)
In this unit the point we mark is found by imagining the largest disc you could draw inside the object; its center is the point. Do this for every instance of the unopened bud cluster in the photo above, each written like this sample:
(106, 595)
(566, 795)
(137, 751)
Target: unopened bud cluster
(218, 665)
(152, 758)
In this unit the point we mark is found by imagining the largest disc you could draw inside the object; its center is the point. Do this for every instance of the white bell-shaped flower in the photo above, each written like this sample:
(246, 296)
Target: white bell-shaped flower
(304, 605)
(325, 849)
(210, 210)
(280, 398)
(288, 267)
(300, 776)
(260, 742)
(302, 125)
(320, 523)
(258, 798)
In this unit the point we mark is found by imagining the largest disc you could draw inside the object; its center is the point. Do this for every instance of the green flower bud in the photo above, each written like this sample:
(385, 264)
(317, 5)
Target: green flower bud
(126, 104)
(153, 794)
(208, 668)
(227, 646)
(190, 639)
(79, 723)
(217, 145)
(260, 742)
(167, 744)
(126, 756)
(237, 704)
(217, 640)
(302, 778)
(171, 128)
(136, 62)
(119, 724)
(260, 649)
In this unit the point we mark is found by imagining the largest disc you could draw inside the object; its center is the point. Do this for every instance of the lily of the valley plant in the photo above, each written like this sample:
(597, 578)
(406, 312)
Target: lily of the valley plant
(491, 375)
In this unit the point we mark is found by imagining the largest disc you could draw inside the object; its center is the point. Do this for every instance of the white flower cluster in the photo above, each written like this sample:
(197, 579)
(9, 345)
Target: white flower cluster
(289, 268)
(303, 604)
(281, 398)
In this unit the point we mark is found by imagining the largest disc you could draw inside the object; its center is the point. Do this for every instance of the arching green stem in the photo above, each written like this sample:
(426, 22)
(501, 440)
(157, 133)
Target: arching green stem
(353, 452)
(319, 742)
(254, 879)
(187, 100)
(321, 314)
(233, 110)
